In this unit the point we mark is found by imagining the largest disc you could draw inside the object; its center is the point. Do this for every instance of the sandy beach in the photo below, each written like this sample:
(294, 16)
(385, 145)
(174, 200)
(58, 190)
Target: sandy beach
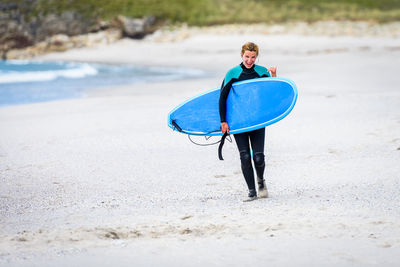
(102, 180)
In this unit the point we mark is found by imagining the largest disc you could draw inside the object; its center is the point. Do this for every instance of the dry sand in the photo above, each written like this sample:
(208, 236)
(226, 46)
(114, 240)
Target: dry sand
(102, 180)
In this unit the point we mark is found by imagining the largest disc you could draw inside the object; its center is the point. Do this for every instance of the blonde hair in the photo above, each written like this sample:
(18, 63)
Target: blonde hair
(249, 46)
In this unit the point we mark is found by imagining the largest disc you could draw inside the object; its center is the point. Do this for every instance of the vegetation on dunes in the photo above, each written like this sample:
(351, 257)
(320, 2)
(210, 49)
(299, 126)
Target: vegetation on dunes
(212, 12)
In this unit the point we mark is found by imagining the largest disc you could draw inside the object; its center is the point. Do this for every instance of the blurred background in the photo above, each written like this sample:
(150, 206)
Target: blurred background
(26, 22)
(33, 28)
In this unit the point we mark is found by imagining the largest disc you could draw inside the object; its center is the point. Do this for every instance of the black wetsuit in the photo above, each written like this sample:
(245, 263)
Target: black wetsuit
(243, 140)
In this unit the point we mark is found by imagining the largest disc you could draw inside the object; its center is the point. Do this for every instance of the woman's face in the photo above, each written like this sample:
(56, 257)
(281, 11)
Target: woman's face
(249, 57)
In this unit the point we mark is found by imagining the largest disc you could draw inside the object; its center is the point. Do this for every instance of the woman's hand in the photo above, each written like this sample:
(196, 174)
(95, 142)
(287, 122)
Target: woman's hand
(272, 70)
(224, 127)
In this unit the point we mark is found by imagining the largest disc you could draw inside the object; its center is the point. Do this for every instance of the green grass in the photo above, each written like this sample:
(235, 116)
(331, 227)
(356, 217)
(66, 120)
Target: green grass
(212, 12)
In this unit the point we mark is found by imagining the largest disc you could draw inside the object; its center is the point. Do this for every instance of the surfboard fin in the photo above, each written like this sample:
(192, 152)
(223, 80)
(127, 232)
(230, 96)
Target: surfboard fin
(221, 144)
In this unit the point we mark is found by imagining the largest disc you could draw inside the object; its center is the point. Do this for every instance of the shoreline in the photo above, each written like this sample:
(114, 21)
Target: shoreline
(189, 53)
(34, 81)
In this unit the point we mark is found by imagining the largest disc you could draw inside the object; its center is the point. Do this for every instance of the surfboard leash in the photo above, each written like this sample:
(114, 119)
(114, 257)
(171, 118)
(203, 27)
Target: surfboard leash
(173, 122)
(208, 137)
(221, 142)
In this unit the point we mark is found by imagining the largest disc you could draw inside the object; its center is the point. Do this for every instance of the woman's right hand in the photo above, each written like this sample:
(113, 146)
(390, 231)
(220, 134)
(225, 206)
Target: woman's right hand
(224, 127)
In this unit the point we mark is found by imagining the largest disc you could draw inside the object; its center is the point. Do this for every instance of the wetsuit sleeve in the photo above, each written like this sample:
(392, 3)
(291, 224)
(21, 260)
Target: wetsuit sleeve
(231, 77)
(262, 71)
(225, 89)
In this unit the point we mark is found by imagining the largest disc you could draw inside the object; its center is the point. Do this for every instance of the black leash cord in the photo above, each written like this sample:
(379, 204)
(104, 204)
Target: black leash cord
(176, 126)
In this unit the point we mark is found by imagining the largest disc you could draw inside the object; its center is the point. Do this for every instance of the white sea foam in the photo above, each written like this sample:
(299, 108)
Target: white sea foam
(79, 71)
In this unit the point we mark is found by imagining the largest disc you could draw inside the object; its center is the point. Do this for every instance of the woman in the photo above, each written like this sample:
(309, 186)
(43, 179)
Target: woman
(245, 71)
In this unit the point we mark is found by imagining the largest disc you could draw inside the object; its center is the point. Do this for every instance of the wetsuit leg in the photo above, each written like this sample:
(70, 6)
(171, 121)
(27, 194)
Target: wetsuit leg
(242, 142)
(257, 139)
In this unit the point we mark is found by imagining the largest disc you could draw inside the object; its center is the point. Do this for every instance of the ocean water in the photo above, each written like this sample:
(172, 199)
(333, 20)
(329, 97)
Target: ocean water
(25, 81)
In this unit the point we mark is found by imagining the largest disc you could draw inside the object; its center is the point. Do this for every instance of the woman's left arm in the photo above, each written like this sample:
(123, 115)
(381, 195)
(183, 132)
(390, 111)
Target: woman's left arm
(272, 70)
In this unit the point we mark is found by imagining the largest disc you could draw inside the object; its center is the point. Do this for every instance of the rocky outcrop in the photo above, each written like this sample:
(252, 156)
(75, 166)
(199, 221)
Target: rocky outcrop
(25, 34)
(13, 31)
(62, 42)
(134, 27)
(19, 28)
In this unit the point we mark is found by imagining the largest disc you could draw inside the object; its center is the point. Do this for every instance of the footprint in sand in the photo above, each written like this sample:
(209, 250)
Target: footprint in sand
(186, 231)
(385, 245)
(112, 235)
(333, 151)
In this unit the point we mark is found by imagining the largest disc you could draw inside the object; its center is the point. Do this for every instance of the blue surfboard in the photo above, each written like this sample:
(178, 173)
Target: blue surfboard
(251, 105)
